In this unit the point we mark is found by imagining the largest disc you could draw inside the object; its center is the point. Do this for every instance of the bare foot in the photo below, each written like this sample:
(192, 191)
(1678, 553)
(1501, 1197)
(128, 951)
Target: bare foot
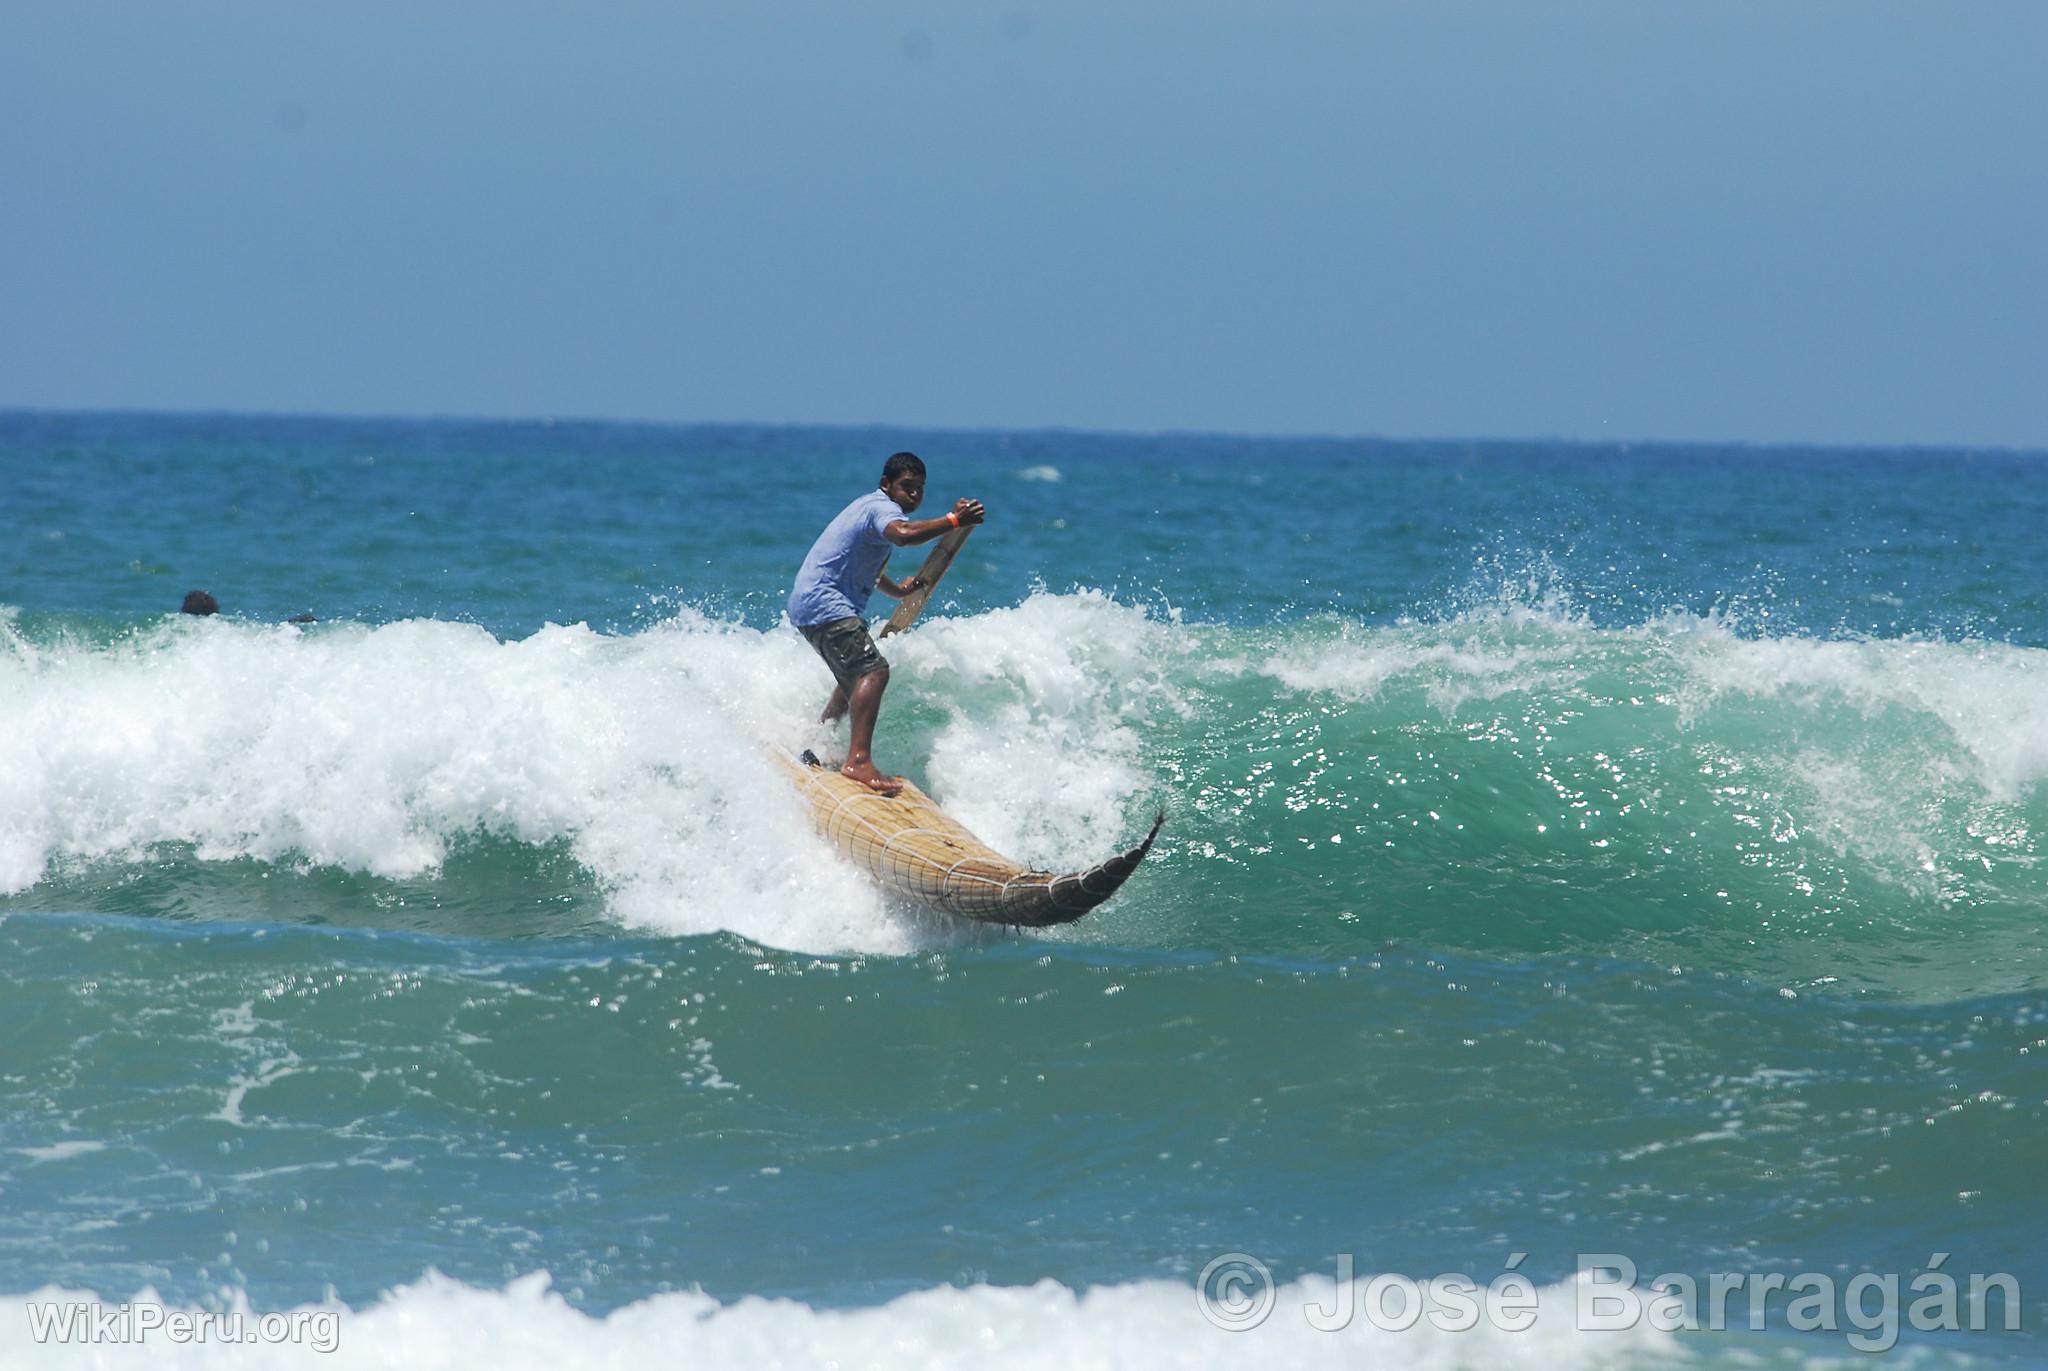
(874, 780)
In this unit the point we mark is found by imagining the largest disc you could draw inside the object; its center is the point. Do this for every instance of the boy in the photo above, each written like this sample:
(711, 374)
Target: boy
(845, 564)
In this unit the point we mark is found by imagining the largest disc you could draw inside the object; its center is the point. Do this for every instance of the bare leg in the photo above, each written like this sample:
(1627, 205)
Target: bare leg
(866, 704)
(835, 708)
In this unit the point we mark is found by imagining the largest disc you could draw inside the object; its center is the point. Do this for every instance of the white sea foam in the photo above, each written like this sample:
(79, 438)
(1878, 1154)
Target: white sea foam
(439, 1322)
(1450, 669)
(1913, 756)
(647, 755)
(57, 1152)
(1040, 473)
(372, 749)
(1046, 704)
(1921, 760)
(1988, 700)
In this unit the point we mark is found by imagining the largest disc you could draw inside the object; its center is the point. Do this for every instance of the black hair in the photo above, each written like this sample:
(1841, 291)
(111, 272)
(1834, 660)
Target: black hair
(199, 602)
(902, 464)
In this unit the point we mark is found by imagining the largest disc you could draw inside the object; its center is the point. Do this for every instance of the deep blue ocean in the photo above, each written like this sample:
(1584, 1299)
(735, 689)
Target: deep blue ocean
(1570, 849)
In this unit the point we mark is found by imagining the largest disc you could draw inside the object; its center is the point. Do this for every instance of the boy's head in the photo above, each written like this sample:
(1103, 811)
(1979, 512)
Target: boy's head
(903, 480)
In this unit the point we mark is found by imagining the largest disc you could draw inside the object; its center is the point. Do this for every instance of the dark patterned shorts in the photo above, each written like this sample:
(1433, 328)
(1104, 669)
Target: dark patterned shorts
(847, 649)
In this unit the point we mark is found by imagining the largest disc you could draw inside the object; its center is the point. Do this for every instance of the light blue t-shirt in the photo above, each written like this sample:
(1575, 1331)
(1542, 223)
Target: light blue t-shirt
(839, 574)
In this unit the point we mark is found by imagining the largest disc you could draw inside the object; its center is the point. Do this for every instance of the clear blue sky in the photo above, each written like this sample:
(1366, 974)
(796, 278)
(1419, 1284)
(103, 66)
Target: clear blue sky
(1690, 219)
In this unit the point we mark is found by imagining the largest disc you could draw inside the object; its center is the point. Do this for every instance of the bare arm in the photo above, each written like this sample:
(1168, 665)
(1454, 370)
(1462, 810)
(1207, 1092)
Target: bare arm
(894, 588)
(911, 532)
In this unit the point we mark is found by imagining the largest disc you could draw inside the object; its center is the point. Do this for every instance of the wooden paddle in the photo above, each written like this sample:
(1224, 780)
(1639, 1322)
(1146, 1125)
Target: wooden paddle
(928, 576)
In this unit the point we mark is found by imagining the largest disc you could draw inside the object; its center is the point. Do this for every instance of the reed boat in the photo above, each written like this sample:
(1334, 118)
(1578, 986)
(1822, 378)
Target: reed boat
(917, 851)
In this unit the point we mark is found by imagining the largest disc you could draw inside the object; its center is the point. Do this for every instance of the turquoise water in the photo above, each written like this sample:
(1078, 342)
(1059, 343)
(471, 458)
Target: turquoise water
(1570, 850)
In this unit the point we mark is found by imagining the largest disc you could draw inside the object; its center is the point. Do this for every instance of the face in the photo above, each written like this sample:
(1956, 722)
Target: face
(907, 491)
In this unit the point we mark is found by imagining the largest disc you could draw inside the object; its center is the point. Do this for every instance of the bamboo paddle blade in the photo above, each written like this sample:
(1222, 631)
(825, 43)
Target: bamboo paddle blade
(917, 851)
(928, 578)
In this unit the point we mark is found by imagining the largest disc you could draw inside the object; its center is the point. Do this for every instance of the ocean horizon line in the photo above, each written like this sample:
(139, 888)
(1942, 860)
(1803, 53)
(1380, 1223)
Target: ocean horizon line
(1302, 438)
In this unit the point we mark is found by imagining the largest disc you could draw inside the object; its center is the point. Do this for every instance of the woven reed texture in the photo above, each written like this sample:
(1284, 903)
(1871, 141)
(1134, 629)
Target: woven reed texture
(916, 850)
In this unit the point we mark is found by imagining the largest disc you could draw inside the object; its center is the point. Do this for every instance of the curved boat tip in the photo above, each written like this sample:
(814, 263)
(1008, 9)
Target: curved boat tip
(1066, 898)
